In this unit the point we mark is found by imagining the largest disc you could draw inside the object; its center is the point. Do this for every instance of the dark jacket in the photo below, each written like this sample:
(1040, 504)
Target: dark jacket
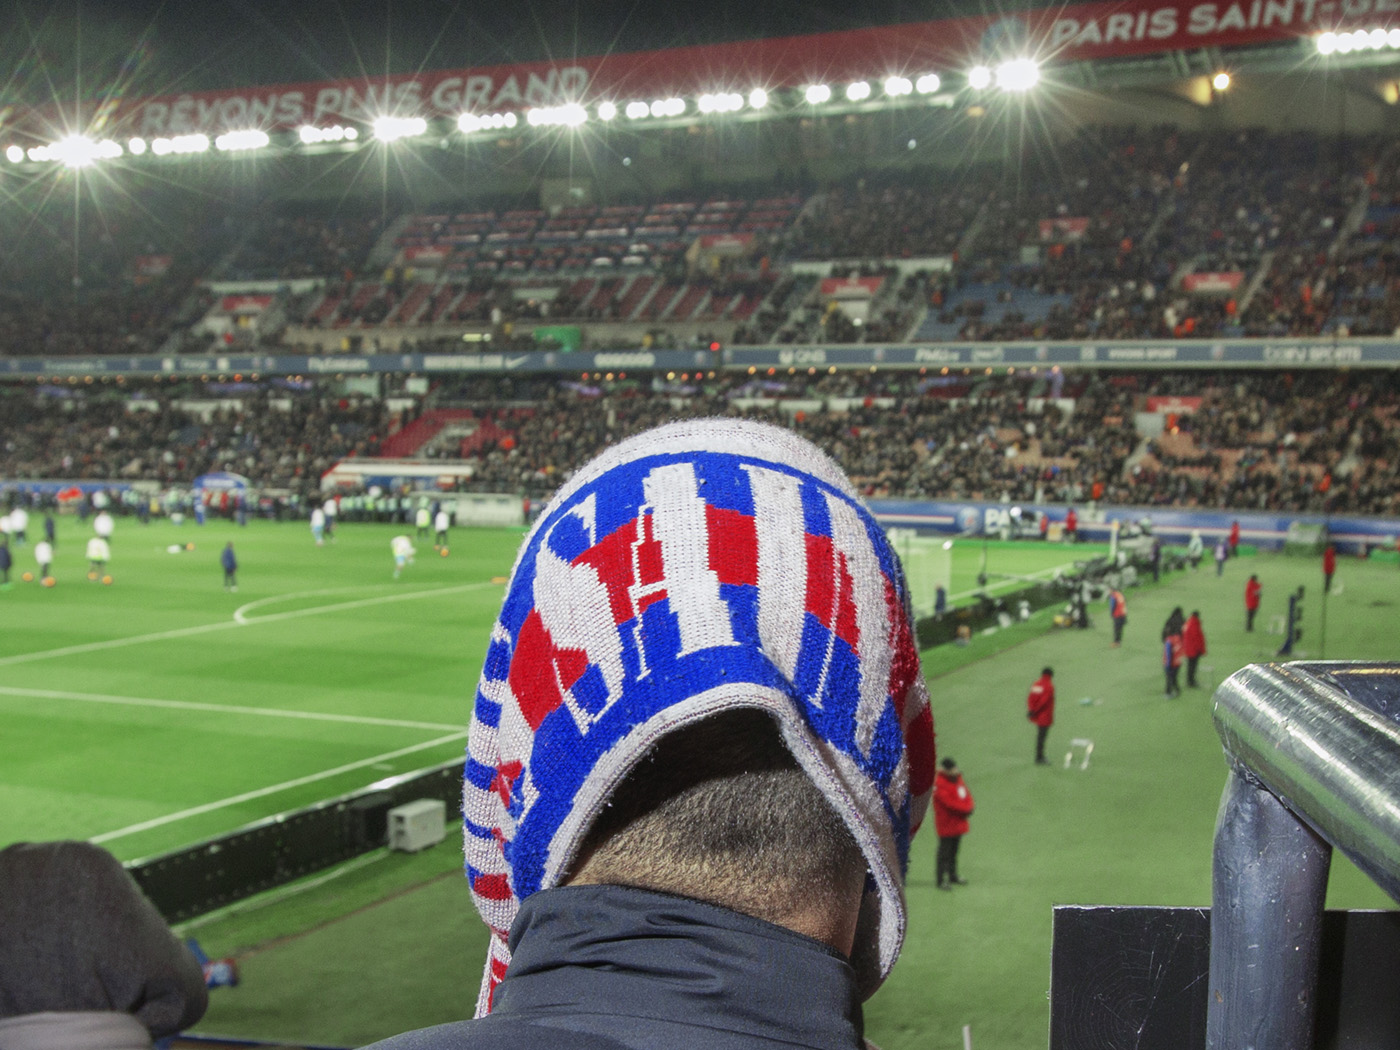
(79, 937)
(608, 967)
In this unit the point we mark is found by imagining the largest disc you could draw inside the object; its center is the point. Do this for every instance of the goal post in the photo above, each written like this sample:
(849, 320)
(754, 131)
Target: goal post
(928, 565)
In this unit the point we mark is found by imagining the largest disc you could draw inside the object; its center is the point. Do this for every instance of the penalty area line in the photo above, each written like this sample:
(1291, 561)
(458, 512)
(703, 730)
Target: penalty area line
(286, 785)
(240, 615)
(224, 625)
(223, 709)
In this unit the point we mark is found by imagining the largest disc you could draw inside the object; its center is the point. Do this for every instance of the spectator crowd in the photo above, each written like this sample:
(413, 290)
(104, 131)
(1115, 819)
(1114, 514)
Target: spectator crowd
(1316, 441)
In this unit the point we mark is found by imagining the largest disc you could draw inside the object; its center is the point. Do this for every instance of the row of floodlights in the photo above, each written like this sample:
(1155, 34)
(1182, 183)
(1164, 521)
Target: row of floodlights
(1358, 40)
(77, 151)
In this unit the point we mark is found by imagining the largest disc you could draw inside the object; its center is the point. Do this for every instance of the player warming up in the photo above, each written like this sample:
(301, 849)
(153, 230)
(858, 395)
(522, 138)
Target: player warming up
(404, 551)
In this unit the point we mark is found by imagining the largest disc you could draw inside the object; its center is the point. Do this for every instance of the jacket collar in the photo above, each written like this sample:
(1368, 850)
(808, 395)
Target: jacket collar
(632, 952)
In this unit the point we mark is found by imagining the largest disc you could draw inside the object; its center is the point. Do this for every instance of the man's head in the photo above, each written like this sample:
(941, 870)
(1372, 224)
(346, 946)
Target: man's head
(1047, 672)
(950, 768)
(703, 680)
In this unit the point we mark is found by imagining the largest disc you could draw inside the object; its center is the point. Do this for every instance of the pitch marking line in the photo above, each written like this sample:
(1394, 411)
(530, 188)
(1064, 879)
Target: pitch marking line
(224, 709)
(223, 625)
(1009, 584)
(240, 616)
(248, 796)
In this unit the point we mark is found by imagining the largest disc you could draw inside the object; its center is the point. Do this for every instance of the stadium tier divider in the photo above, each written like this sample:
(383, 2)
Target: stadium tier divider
(222, 870)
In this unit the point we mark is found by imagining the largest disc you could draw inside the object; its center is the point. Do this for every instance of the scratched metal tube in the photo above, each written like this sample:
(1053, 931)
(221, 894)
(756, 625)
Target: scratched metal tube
(1315, 763)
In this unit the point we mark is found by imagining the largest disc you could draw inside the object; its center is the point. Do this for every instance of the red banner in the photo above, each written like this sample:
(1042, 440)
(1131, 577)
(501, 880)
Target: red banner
(1218, 283)
(426, 255)
(851, 287)
(1077, 32)
(1179, 405)
(726, 243)
(1063, 229)
(151, 265)
(244, 304)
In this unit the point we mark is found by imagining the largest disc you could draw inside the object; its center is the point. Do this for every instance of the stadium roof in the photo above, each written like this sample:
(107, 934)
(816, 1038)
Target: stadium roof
(1095, 45)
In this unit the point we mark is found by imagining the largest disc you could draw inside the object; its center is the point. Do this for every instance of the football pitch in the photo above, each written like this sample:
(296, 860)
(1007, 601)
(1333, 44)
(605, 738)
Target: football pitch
(161, 709)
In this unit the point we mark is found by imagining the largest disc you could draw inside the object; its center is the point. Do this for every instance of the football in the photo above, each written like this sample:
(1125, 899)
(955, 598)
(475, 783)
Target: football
(107, 579)
(443, 552)
(28, 577)
(92, 576)
(49, 581)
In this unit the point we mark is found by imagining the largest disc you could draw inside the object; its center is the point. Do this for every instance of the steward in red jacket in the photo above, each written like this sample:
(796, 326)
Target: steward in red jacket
(1193, 645)
(1040, 709)
(1251, 601)
(1329, 566)
(952, 805)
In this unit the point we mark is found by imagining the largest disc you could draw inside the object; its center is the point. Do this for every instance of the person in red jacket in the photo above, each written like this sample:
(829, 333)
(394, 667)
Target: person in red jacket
(1252, 590)
(1329, 566)
(1234, 539)
(952, 805)
(1193, 645)
(1072, 526)
(1040, 709)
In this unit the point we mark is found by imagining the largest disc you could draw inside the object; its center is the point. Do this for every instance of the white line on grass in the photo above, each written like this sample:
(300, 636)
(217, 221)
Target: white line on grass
(241, 612)
(223, 625)
(229, 709)
(1006, 585)
(248, 796)
(358, 604)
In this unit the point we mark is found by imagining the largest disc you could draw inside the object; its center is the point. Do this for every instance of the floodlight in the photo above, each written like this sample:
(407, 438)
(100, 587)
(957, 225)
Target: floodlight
(1221, 81)
(14, 154)
(668, 107)
(816, 94)
(180, 144)
(39, 153)
(1392, 38)
(1377, 39)
(136, 147)
(391, 129)
(928, 84)
(607, 110)
(246, 139)
(758, 98)
(896, 86)
(1019, 74)
(858, 90)
(721, 102)
(569, 115)
(638, 110)
(1344, 44)
(74, 151)
(1326, 43)
(979, 78)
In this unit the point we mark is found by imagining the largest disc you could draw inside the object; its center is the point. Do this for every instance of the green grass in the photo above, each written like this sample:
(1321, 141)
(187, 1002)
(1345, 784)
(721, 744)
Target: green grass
(88, 674)
(390, 942)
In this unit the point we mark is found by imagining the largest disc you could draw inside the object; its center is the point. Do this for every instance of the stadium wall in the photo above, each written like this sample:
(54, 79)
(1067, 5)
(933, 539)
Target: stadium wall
(1143, 354)
(1267, 531)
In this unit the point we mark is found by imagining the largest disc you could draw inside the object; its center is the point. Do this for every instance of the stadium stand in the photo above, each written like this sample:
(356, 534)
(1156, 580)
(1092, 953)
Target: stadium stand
(1310, 441)
(1124, 233)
